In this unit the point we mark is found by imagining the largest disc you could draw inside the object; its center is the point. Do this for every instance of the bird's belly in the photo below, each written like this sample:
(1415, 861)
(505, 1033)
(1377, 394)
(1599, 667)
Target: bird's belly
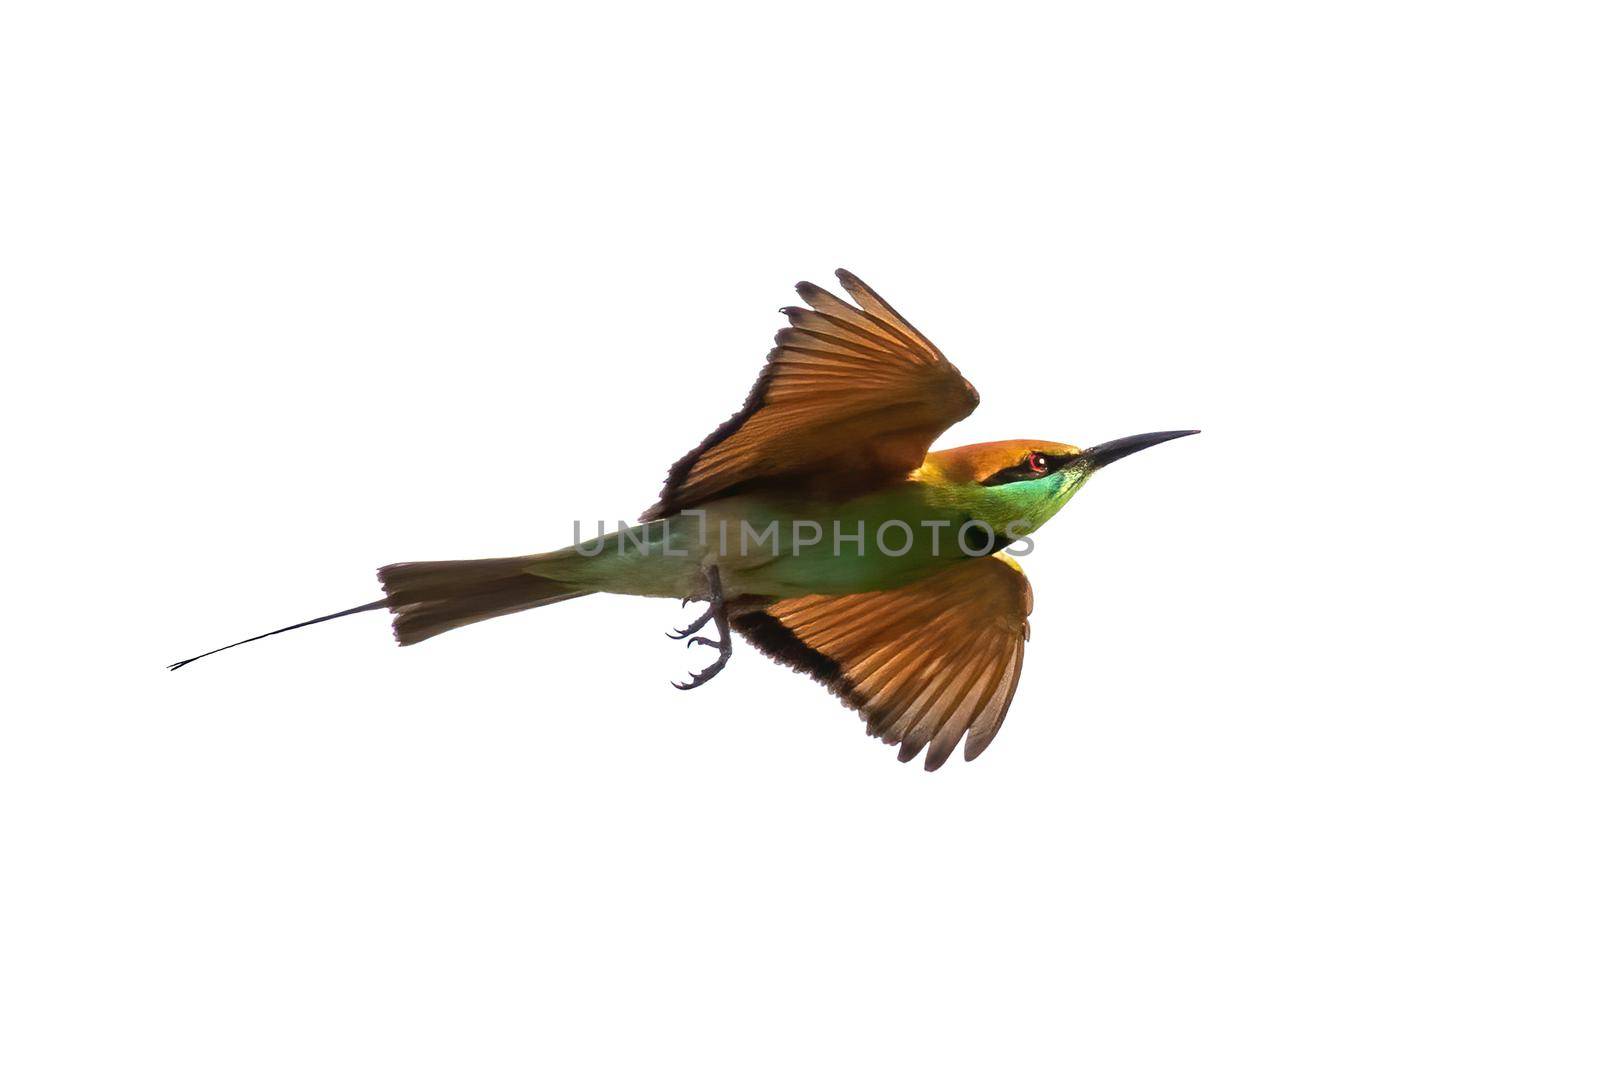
(772, 548)
(829, 575)
(781, 550)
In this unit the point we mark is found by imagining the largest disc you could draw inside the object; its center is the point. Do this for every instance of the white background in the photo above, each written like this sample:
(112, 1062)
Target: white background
(1302, 766)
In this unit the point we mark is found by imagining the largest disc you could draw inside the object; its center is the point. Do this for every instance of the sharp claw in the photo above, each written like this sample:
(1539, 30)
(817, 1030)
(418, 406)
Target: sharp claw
(693, 627)
(698, 678)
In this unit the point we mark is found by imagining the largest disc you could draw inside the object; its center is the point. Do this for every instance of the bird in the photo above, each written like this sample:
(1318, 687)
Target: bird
(817, 524)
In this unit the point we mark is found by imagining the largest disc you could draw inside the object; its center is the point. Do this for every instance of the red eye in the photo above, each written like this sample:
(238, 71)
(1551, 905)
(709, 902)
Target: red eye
(1037, 463)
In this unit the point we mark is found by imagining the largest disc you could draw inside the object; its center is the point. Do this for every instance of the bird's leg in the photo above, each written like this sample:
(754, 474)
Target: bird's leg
(718, 613)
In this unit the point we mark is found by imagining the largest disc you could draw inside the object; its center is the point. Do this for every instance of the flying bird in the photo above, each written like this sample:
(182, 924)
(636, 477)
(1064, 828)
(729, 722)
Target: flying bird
(816, 524)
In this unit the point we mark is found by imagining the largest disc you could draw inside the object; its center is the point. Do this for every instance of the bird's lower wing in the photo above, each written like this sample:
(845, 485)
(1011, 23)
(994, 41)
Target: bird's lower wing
(923, 664)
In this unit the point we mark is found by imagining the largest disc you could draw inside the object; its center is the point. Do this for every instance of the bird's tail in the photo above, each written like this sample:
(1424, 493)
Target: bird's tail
(429, 598)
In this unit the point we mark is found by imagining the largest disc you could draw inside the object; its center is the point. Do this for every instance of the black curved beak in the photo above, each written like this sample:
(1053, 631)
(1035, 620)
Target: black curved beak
(1108, 453)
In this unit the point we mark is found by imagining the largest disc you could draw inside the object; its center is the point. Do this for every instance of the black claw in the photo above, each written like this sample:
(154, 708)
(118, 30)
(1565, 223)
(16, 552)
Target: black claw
(693, 627)
(718, 645)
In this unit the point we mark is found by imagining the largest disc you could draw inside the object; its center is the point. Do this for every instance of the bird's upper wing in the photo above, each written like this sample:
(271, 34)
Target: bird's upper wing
(923, 664)
(850, 394)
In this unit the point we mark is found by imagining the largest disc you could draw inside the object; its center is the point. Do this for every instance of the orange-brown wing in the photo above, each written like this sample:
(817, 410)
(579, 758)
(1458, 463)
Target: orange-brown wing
(850, 394)
(923, 664)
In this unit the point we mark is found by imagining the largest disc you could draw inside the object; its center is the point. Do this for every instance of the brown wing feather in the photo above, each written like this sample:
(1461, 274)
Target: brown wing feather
(924, 664)
(850, 397)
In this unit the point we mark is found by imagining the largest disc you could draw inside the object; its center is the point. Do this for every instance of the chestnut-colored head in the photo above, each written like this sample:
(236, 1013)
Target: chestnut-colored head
(1022, 483)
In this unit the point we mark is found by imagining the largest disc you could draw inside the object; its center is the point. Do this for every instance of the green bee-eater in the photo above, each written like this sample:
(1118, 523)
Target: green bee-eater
(816, 523)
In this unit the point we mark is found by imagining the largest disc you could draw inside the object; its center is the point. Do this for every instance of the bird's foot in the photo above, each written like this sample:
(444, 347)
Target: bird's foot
(718, 613)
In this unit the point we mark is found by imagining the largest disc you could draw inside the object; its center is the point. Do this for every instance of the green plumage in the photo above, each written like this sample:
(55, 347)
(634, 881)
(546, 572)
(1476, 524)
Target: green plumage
(780, 545)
